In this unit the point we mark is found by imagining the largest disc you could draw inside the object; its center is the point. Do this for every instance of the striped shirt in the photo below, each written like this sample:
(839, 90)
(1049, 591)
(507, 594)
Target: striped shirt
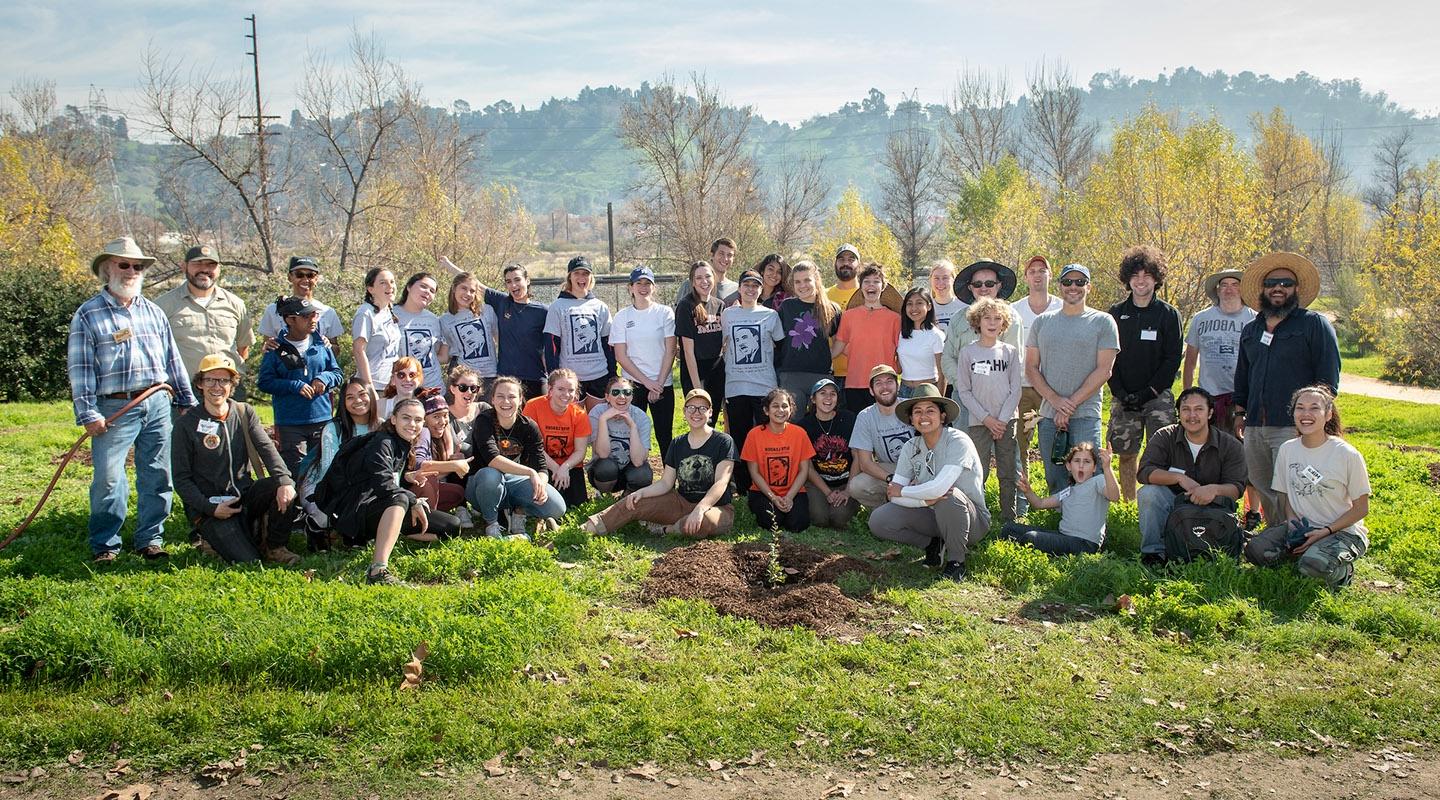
(113, 348)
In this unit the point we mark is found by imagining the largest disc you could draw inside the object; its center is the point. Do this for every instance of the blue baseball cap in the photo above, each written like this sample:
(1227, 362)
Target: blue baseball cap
(1080, 268)
(642, 273)
(822, 383)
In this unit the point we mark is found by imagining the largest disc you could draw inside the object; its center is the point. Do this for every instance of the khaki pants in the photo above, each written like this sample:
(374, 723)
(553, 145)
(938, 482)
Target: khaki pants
(667, 509)
(1006, 468)
(954, 518)
(827, 516)
(869, 490)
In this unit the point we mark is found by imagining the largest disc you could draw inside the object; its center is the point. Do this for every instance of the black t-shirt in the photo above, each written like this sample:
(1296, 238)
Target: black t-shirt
(805, 348)
(709, 340)
(695, 467)
(519, 443)
(831, 441)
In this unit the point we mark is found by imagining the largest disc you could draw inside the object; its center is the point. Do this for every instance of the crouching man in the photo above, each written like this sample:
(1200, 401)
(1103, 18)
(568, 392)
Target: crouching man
(219, 447)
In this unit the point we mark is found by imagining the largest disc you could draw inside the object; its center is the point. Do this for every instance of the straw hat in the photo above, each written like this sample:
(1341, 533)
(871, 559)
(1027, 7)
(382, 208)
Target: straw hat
(927, 391)
(124, 247)
(890, 298)
(1306, 275)
(1212, 282)
(1004, 273)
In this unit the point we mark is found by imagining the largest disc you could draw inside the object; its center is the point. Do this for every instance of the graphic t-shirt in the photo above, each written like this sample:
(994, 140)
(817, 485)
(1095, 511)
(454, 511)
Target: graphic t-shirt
(806, 347)
(582, 325)
(1322, 482)
(947, 311)
(881, 434)
(831, 441)
(695, 466)
(750, 336)
(988, 381)
(473, 339)
(644, 333)
(383, 341)
(778, 455)
(1216, 335)
(422, 341)
(707, 336)
(870, 335)
(558, 431)
(620, 432)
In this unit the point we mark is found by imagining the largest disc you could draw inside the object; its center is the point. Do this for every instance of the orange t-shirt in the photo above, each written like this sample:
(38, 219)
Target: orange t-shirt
(870, 336)
(779, 455)
(558, 432)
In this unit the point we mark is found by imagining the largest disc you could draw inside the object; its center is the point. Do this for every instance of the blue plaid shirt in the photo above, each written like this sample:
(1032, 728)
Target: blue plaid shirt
(113, 348)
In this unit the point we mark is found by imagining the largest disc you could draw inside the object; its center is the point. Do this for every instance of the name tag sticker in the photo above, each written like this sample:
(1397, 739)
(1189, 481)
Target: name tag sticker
(1266, 338)
(1176, 470)
(1149, 336)
(207, 426)
(121, 336)
(1063, 493)
(980, 368)
(1311, 474)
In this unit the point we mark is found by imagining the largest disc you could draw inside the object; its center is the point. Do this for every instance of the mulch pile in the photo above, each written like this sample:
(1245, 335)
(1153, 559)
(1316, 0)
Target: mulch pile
(731, 577)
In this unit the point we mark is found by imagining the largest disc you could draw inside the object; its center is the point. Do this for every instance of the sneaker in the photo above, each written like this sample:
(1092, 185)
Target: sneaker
(383, 577)
(107, 557)
(954, 570)
(493, 529)
(932, 552)
(517, 524)
(316, 536)
(153, 552)
(282, 555)
(1152, 559)
(463, 514)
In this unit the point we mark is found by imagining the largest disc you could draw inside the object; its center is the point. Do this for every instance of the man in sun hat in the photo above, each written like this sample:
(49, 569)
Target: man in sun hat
(206, 318)
(1284, 348)
(1213, 343)
(120, 344)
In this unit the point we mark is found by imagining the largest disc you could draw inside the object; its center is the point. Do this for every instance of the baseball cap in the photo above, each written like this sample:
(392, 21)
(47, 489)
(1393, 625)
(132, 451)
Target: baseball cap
(202, 252)
(847, 248)
(751, 275)
(578, 262)
(642, 273)
(822, 383)
(698, 394)
(1080, 268)
(294, 305)
(882, 369)
(303, 262)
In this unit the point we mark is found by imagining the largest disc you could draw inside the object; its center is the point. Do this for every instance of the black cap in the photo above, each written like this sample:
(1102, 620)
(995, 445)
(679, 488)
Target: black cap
(202, 252)
(751, 275)
(578, 262)
(304, 262)
(294, 305)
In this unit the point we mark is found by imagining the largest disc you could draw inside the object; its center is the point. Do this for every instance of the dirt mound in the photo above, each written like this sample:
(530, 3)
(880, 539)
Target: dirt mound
(731, 577)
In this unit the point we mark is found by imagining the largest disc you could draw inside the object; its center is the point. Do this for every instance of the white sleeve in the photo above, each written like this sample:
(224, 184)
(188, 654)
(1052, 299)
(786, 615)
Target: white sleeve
(936, 486)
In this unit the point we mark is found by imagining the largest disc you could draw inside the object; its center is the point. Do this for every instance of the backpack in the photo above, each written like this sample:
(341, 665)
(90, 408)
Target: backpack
(330, 492)
(1193, 530)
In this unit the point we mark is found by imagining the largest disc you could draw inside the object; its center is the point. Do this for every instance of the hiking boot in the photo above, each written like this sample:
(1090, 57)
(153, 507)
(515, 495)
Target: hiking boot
(107, 557)
(493, 529)
(954, 570)
(932, 552)
(282, 555)
(153, 552)
(1152, 559)
(383, 577)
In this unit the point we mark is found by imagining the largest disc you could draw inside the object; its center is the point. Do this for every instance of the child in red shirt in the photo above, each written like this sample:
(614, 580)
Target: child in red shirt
(778, 455)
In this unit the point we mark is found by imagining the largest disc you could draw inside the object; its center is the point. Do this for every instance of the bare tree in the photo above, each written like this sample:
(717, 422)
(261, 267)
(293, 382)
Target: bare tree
(909, 184)
(1059, 143)
(698, 182)
(356, 116)
(979, 131)
(797, 201)
(1391, 175)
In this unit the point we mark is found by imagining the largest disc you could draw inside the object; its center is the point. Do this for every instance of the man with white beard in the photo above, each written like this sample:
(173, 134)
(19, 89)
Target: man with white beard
(120, 344)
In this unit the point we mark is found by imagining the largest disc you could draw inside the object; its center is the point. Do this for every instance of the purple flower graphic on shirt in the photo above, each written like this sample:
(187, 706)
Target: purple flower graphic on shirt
(805, 331)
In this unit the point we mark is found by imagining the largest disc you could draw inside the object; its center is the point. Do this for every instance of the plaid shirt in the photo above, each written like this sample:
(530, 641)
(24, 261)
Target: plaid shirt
(113, 348)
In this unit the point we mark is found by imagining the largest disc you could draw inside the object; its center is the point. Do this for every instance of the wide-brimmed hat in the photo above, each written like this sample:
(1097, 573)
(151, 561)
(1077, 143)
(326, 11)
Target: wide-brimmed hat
(926, 391)
(216, 361)
(1212, 282)
(1004, 273)
(1306, 276)
(124, 247)
(890, 298)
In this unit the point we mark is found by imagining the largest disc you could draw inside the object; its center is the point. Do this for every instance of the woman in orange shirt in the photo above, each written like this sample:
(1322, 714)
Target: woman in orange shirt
(778, 455)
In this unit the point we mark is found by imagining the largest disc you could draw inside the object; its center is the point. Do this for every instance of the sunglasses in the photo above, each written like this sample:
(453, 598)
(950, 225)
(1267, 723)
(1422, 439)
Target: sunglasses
(129, 266)
(697, 409)
(1074, 281)
(1282, 283)
(304, 276)
(985, 284)
(621, 392)
(467, 388)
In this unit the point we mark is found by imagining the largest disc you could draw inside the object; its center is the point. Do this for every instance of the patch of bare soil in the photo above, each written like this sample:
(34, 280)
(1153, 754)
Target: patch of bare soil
(1400, 772)
(732, 577)
(1434, 467)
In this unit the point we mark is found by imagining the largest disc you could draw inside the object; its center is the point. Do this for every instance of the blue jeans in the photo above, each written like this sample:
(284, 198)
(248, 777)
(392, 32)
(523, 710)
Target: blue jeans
(1156, 503)
(1083, 429)
(147, 427)
(490, 490)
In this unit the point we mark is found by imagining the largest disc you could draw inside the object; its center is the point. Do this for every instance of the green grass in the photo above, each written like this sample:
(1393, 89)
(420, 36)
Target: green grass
(181, 663)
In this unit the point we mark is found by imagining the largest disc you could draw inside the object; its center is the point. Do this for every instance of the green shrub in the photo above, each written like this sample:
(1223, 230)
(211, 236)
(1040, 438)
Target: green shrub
(38, 303)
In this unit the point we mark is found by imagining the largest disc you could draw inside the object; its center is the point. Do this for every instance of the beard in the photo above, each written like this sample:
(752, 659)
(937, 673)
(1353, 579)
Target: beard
(1274, 311)
(201, 282)
(845, 273)
(887, 401)
(125, 291)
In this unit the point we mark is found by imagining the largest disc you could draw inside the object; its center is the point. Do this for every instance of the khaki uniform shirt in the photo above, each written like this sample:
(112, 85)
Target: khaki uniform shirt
(222, 326)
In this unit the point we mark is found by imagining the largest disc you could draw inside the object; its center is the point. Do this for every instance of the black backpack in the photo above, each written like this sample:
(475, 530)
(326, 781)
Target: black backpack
(1193, 530)
(329, 493)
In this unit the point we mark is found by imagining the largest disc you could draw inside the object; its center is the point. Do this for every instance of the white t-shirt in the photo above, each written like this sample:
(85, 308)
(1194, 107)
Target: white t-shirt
(1027, 317)
(1321, 482)
(422, 342)
(944, 312)
(644, 333)
(330, 325)
(383, 341)
(917, 354)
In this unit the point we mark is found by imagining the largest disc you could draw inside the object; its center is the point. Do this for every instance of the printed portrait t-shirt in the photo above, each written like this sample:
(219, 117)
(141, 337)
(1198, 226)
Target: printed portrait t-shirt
(695, 466)
(558, 432)
(422, 341)
(582, 324)
(778, 455)
(473, 339)
(751, 335)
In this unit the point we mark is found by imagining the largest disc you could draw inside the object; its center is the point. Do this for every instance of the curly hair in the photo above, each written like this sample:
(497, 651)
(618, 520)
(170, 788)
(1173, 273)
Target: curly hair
(1142, 258)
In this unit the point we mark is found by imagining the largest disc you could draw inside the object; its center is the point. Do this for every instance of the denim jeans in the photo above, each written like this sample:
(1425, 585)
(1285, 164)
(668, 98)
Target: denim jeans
(1156, 503)
(1052, 543)
(147, 427)
(490, 490)
(1083, 429)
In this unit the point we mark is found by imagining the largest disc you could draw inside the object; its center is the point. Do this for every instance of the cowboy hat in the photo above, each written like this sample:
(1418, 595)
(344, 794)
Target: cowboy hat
(890, 298)
(124, 247)
(1212, 282)
(927, 391)
(1004, 273)
(1306, 275)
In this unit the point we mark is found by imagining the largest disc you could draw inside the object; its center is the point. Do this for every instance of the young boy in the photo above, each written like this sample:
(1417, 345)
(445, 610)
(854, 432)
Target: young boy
(299, 374)
(988, 385)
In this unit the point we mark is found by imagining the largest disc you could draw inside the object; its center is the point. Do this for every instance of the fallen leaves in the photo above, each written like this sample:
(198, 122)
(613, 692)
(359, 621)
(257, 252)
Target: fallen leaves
(415, 667)
(139, 791)
(494, 768)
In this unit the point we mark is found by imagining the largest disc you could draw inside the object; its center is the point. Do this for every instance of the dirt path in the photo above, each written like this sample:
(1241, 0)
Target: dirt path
(1385, 390)
(1398, 772)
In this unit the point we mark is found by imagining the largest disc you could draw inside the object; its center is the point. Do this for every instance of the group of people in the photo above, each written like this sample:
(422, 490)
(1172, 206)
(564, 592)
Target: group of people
(835, 398)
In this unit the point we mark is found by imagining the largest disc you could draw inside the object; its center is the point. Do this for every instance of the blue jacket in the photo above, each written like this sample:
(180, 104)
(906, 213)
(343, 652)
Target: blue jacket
(1302, 351)
(284, 382)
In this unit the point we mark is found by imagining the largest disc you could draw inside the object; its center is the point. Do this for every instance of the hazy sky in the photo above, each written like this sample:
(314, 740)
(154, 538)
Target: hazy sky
(790, 60)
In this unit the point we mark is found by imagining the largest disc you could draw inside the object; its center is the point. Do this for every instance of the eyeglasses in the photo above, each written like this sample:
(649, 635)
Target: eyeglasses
(1282, 283)
(697, 409)
(408, 376)
(126, 265)
(1074, 281)
(467, 388)
(985, 284)
(215, 383)
(621, 392)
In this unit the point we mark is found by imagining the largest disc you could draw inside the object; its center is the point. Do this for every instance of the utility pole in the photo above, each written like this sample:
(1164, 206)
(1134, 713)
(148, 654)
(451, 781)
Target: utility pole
(264, 165)
(99, 108)
(610, 231)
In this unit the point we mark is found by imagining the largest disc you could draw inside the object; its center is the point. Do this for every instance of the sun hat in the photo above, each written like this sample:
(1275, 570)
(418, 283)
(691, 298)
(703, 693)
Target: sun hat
(202, 252)
(216, 361)
(1212, 282)
(926, 391)
(881, 369)
(1004, 273)
(1306, 275)
(889, 297)
(123, 247)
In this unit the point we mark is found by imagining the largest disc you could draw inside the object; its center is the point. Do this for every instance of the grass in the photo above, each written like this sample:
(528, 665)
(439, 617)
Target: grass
(181, 663)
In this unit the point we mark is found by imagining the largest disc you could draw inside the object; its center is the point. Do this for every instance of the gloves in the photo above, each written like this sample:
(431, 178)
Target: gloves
(1135, 401)
(1297, 530)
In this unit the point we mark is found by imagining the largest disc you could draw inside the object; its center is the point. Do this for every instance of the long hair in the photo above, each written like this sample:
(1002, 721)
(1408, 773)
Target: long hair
(700, 315)
(371, 276)
(403, 362)
(346, 423)
(414, 279)
(1332, 424)
(907, 325)
(519, 388)
(774, 258)
(775, 394)
(389, 426)
(442, 449)
(457, 372)
(456, 283)
(822, 308)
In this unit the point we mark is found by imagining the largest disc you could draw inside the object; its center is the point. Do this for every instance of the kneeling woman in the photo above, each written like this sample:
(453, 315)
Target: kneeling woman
(509, 466)
(622, 441)
(1084, 505)
(1325, 490)
(778, 455)
(697, 468)
(375, 503)
(936, 499)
